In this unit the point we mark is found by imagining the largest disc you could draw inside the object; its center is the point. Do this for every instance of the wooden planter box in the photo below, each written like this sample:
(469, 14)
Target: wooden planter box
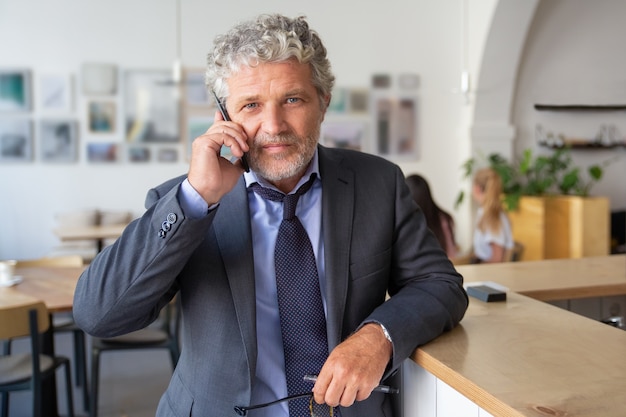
(562, 227)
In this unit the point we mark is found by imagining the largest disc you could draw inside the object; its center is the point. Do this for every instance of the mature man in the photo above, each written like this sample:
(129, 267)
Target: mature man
(269, 298)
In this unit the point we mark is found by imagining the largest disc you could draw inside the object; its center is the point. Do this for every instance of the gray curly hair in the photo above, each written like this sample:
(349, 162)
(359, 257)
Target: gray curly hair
(268, 38)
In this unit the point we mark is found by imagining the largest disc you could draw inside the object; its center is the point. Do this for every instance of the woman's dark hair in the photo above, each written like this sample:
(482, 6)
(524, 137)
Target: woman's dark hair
(420, 191)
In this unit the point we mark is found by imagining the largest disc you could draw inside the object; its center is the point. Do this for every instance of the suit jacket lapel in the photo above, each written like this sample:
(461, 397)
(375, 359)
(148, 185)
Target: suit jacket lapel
(232, 229)
(337, 209)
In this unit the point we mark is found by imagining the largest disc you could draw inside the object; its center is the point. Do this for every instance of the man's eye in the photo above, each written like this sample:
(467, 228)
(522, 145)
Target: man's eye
(250, 105)
(293, 100)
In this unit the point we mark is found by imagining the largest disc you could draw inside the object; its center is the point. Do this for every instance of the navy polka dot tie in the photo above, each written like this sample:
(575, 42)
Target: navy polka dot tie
(302, 319)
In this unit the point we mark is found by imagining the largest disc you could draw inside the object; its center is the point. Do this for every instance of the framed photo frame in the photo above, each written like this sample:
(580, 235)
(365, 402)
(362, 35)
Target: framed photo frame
(99, 78)
(381, 81)
(169, 155)
(101, 116)
(359, 100)
(339, 101)
(58, 140)
(15, 90)
(16, 140)
(56, 93)
(195, 126)
(395, 126)
(345, 133)
(194, 89)
(138, 154)
(151, 107)
(102, 152)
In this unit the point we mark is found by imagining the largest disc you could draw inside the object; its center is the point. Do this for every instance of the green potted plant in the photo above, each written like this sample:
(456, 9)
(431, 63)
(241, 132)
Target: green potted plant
(537, 176)
(548, 203)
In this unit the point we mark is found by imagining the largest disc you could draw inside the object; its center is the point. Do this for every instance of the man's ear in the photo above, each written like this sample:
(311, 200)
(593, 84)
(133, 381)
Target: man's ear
(326, 104)
(327, 100)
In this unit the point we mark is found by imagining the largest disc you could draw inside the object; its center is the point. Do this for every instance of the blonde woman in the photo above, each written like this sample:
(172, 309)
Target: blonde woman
(492, 235)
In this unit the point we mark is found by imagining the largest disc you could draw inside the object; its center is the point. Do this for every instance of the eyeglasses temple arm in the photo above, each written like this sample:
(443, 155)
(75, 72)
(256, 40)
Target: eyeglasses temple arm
(242, 411)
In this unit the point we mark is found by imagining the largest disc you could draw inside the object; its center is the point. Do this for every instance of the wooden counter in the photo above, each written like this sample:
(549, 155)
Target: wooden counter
(555, 279)
(527, 358)
(523, 357)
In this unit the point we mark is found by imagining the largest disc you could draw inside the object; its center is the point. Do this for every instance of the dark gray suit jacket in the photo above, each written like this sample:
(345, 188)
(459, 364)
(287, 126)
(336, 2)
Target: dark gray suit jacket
(376, 242)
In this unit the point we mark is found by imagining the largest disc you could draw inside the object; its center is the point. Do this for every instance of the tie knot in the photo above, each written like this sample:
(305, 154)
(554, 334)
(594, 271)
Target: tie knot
(290, 201)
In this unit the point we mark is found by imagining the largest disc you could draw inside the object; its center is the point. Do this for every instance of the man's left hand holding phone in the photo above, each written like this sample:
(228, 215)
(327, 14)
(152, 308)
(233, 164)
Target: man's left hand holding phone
(211, 175)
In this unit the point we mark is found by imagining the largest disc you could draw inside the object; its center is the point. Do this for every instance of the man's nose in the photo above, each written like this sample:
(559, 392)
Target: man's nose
(273, 120)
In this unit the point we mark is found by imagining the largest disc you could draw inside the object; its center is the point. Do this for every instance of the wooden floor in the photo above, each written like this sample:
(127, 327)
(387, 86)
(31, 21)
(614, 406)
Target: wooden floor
(131, 383)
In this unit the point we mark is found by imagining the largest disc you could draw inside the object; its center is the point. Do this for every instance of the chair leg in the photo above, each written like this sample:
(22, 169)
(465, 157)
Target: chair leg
(6, 350)
(5, 404)
(95, 371)
(80, 358)
(68, 385)
(37, 388)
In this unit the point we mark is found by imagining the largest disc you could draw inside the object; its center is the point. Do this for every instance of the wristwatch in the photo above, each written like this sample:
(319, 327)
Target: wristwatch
(386, 333)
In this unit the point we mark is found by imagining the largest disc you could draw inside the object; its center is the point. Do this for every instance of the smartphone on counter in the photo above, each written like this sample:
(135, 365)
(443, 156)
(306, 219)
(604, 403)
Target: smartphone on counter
(222, 109)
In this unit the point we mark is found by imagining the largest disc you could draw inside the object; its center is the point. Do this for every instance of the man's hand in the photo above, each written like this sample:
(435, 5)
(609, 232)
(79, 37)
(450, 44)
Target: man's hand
(354, 368)
(209, 174)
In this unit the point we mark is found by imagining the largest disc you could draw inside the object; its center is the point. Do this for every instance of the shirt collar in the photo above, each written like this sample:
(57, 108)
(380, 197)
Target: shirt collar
(313, 168)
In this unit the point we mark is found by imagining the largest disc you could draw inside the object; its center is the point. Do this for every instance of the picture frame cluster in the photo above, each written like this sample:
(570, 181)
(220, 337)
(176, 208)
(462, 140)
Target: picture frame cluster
(110, 115)
(61, 118)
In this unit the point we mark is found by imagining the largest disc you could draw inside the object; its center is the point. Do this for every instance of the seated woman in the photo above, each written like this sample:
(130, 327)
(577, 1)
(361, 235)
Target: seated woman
(439, 221)
(492, 234)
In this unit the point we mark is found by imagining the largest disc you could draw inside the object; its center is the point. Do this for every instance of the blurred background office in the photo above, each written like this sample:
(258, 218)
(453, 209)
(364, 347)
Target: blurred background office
(425, 84)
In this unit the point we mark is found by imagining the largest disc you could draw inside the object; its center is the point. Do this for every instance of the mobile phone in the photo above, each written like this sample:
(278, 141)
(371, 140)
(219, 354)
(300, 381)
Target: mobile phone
(222, 109)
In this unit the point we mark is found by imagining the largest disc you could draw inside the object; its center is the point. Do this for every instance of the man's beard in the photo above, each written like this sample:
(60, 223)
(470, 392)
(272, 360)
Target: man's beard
(280, 166)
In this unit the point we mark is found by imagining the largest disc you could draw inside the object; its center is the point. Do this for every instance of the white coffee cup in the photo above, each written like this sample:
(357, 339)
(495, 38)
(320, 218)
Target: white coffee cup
(7, 269)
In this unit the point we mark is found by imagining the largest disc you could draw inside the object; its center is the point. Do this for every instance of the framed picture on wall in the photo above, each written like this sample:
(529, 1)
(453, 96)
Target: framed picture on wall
(99, 78)
(15, 90)
(359, 100)
(395, 126)
(167, 155)
(138, 154)
(194, 89)
(339, 101)
(16, 140)
(345, 133)
(101, 116)
(196, 126)
(56, 93)
(151, 107)
(102, 152)
(59, 140)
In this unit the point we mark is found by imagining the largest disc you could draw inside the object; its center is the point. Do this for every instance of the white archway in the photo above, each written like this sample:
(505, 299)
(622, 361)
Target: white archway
(491, 128)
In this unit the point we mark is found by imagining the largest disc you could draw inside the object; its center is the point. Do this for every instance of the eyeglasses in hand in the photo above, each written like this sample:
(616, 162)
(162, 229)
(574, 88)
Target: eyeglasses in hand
(316, 410)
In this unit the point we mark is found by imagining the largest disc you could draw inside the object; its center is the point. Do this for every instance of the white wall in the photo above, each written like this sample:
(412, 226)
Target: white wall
(574, 55)
(363, 38)
(571, 54)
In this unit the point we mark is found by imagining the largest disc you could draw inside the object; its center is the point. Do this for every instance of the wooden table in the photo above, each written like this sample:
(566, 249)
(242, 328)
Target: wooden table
(555, 279)
(98, 233)
(55, 287)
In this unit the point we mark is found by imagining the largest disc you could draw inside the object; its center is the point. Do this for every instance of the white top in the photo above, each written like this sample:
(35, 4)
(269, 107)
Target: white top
(483, 240)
